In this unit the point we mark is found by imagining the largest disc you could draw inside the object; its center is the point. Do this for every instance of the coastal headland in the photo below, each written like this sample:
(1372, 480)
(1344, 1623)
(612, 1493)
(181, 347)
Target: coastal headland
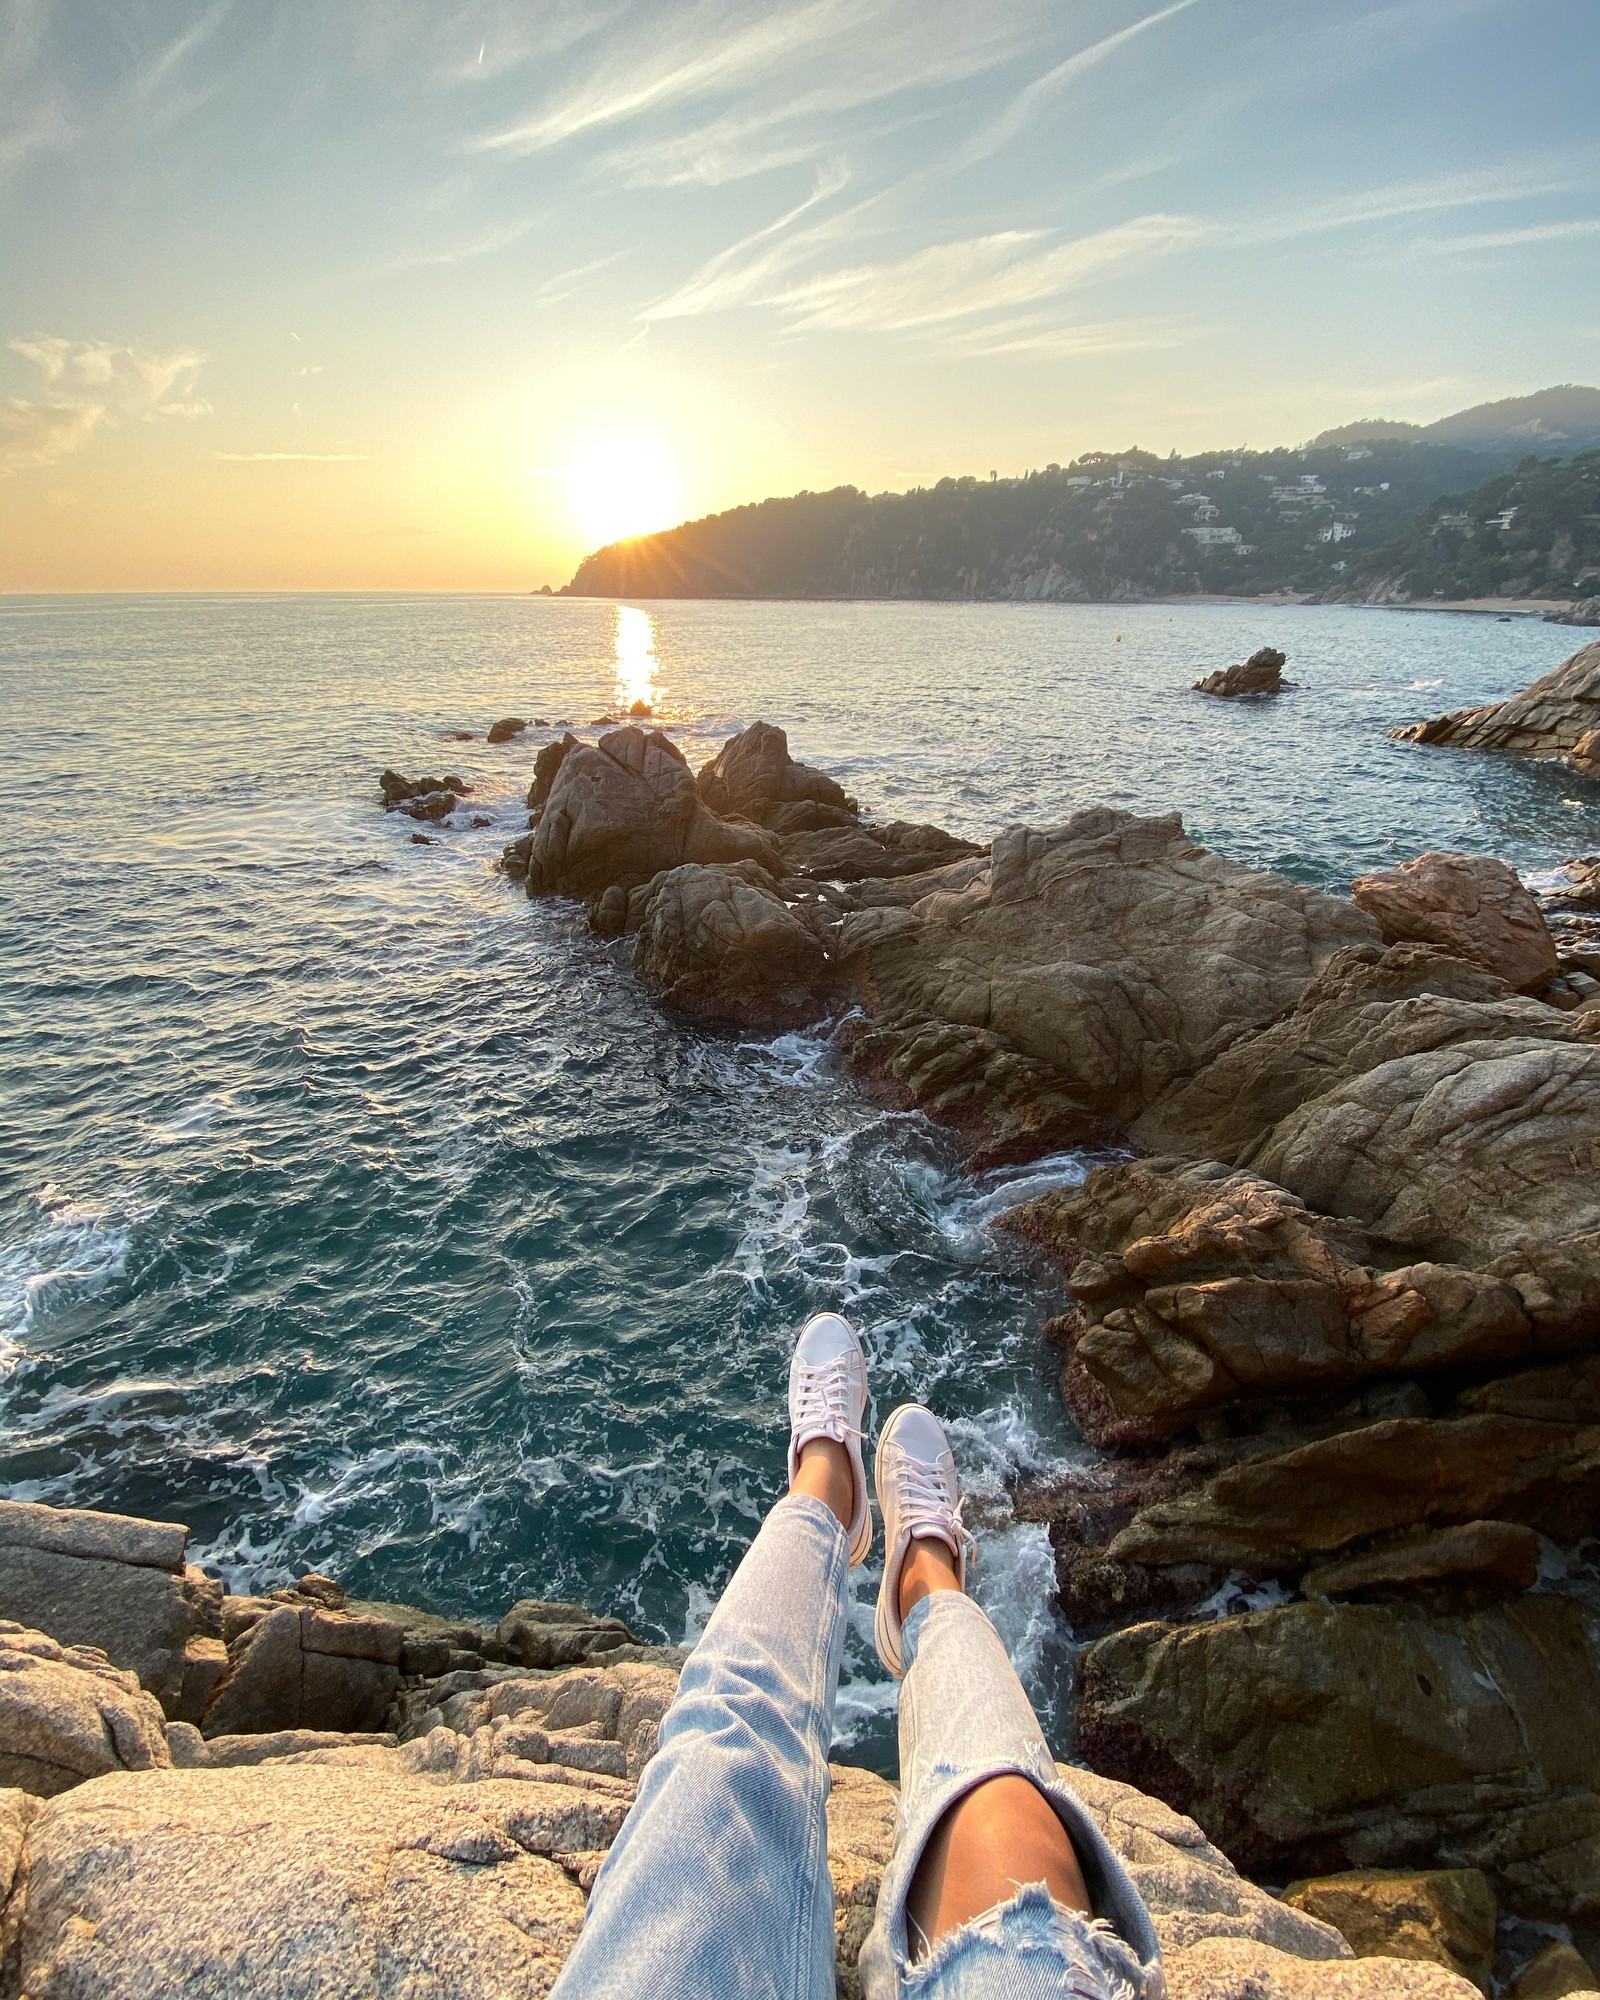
(1335, 1311)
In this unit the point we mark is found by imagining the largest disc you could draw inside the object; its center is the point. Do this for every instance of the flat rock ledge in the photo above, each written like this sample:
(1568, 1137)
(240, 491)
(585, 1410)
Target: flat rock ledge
(449, 1855)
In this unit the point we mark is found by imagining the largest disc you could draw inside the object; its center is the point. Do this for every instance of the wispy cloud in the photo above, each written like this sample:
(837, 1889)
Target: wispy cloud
(91, 384)
(35, 116)
(792, 266)
(709, 91)
(1029, 335)
(1029, 102)
(744, 273)
(564, 285)
(1514, 239)
(294, 457)
(1435, 194)
(486, 243)
(950, 281)
(157, 73)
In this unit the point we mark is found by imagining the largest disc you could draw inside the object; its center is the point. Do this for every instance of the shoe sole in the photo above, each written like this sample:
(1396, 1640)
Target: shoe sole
(888, 1645)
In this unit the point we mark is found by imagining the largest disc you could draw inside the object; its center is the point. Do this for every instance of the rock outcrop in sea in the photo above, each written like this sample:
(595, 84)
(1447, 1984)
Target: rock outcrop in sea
(1262, 673)
(1335, 1325)
(1556, 719)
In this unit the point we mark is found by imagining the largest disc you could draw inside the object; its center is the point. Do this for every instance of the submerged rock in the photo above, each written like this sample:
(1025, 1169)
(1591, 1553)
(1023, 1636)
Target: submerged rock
(1556, 718)
(1470, 905)
(399, 791)
(1262, 673)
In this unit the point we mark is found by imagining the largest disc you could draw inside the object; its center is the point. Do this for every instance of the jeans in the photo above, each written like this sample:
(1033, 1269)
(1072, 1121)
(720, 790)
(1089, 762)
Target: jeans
(717, 1887)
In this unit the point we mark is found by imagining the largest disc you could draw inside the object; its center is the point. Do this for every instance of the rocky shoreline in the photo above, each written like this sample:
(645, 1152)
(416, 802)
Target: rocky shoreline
(1335, 1321)
(1334, 1325)
(303, 1794)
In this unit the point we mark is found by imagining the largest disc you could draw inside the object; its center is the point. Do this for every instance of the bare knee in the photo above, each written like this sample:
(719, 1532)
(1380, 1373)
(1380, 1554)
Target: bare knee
(993, 1840)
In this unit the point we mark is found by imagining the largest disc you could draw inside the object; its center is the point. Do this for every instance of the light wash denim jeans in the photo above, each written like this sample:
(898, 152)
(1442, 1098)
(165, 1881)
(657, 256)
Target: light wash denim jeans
(717, 1887)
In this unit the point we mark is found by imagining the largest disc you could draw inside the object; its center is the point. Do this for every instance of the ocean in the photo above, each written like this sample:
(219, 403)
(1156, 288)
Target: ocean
(371, 1219)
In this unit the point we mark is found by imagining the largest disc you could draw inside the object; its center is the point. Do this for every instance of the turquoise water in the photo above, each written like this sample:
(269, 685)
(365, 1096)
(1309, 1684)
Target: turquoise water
(369, 1218)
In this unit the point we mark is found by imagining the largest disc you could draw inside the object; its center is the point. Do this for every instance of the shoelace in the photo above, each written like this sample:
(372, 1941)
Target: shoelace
(821, 1398)
(925, 1506)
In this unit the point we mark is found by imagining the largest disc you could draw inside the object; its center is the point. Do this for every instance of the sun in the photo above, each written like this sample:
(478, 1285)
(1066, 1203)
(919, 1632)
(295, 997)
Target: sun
(622, 486)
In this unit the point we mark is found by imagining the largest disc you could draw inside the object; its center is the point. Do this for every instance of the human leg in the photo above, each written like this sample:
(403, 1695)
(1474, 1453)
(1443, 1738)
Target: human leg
(1000, 1882)
(718, 1882)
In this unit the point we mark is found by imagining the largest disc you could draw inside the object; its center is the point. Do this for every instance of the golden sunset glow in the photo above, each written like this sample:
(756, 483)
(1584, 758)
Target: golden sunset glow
(637, 665)
(622, 486)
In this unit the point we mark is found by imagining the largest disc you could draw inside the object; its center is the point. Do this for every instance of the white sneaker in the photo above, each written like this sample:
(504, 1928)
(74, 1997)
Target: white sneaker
(920, 1498)
(828, 1399)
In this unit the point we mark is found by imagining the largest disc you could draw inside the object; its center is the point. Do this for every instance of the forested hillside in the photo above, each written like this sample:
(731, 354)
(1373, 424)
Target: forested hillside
(1110, 525)
(1531, 532)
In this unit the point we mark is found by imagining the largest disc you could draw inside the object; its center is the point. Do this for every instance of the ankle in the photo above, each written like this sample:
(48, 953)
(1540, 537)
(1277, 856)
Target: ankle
(929, 1566)
(825, 1473)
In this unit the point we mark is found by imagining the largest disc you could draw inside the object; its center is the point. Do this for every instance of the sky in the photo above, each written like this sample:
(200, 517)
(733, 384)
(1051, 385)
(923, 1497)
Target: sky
(414, 294)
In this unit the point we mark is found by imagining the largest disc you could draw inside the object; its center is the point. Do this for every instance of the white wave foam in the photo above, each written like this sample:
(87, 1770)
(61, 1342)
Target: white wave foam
(1238, 1593)
(196, 1118)
(72, 1251)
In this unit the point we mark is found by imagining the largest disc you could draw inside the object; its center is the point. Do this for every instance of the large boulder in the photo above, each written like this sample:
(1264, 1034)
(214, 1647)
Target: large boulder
(545, 766)
(541, 1633)
(339, 1873)
(1445, 1916)
(1111, 949)
(1316, 1737)
(1557, 717)
(1197, 1286)
(1369, 1007)
(67, 1714)
(1471, 905)
(457, 1863)
(623, 811)
(1486, 1150)
(753, 777)
(722, 942)
(108, 1581)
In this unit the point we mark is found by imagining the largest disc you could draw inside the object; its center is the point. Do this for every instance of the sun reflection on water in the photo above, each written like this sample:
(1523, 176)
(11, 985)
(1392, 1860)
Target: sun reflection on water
(637, 665)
